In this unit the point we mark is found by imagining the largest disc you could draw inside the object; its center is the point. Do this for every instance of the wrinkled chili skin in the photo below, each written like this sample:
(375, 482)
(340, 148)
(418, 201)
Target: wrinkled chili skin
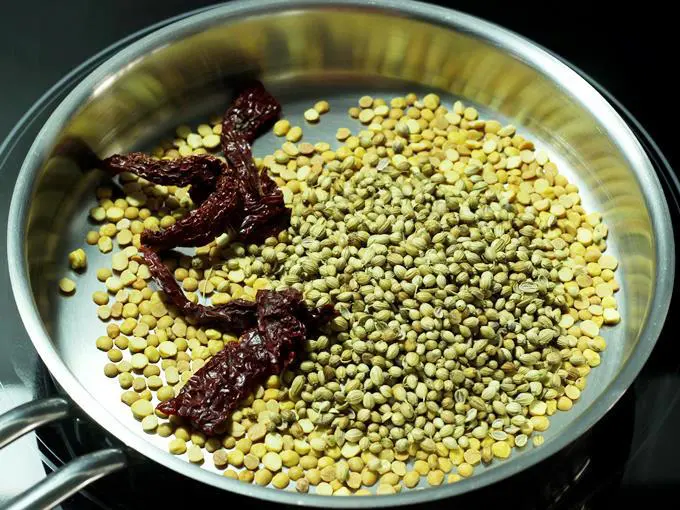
(214, 392)
(220, 212)
(239, 156)
(263, 202)
(200, 171)
(266, 217)
(250, 112)
(202, 225)
(237, 315)
(245, 201)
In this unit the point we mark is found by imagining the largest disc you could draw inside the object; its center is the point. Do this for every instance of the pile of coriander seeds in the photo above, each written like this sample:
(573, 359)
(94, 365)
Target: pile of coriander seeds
(471, 287)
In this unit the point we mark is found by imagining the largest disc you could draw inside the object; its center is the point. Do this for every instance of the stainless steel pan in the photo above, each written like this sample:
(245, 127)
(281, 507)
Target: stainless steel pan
(304, 51)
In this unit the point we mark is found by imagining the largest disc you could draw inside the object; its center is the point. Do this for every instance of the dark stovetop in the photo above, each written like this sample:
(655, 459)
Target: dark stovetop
(630, 456)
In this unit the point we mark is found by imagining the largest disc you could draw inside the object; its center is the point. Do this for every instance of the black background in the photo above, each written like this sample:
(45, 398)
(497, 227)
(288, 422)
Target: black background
(632, 51)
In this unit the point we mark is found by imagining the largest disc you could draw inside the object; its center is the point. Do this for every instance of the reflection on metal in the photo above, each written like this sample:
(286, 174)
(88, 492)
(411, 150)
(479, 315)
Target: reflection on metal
(29, 416)
(68, 480)
(345, 48)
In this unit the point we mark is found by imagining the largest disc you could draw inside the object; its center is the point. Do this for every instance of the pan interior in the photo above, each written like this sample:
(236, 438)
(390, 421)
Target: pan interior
(336, 54)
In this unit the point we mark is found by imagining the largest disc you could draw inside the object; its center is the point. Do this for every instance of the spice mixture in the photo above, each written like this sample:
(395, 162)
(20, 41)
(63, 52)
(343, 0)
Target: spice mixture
(469, 283)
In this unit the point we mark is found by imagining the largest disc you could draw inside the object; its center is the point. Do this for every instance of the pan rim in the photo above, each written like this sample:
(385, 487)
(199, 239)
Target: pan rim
(520, 47)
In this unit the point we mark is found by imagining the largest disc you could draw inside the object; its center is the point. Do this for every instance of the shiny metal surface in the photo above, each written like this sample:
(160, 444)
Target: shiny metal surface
(29, 416)
(69, 479)
(20, 365)
(305, 51)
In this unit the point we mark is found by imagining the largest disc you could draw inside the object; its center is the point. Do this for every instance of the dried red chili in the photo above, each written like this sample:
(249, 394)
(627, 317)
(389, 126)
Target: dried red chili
(249, 113)
(265, 213)
(237, 315)
(214, 392)
(202, 225)
(253, 109)
(233, 197)
(200, 171)
(224, 211)
(266, 217)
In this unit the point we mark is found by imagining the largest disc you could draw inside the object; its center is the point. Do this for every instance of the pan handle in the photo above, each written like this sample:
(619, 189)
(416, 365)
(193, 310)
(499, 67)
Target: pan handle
(29, 416)
(67, 480)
